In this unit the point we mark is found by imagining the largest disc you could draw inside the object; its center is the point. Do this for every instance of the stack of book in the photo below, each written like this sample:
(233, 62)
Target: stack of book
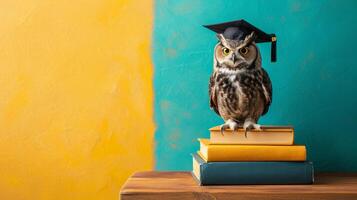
(268, 156)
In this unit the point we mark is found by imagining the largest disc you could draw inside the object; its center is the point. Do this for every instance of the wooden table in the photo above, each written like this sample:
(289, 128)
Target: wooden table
(155, 185)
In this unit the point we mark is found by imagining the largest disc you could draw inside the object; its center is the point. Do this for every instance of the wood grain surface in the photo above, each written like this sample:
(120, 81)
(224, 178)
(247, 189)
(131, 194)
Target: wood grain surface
(153, 185)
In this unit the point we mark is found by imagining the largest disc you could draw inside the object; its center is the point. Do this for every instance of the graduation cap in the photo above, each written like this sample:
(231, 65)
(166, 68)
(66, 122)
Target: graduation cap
(238, 30)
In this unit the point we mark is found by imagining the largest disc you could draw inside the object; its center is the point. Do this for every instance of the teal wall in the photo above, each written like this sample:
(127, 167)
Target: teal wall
(314, 80)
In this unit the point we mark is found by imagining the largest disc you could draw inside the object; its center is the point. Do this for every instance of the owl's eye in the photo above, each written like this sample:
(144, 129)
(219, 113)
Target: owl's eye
(244, 50)
(225, 51)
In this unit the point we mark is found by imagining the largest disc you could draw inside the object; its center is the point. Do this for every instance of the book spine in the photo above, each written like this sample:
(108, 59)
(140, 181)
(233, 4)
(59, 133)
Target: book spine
(236, 173)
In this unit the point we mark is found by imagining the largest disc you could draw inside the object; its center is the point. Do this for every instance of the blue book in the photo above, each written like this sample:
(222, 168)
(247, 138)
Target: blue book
(251, 173)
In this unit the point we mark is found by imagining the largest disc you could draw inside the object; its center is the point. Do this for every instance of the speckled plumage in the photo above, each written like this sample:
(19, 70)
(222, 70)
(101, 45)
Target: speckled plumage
(240, 89)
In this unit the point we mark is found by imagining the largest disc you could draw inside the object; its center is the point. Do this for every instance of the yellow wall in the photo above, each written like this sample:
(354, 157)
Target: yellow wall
(75, 97)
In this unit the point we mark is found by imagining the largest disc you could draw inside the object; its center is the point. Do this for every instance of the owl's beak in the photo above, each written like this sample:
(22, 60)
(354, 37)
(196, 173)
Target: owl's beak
(234, 57)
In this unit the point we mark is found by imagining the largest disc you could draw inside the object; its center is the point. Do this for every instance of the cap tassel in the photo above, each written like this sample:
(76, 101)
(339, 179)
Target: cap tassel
(273, 48)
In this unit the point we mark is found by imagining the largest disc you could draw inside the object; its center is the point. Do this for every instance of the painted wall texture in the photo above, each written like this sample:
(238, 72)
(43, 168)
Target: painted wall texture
(72, 122)
(85, 85)
(314, 80)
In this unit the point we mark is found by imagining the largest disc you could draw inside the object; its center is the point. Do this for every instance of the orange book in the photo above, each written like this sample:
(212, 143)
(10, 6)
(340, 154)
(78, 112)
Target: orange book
(233, 152)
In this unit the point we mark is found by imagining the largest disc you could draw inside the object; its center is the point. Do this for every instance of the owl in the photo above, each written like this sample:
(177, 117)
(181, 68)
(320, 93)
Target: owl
(240, 90)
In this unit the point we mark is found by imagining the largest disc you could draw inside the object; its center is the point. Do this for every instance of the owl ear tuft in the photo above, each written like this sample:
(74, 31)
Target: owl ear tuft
(222, 39)
(249, 38)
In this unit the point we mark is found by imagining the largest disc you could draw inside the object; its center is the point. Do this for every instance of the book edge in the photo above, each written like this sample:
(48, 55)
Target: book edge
(201, 163)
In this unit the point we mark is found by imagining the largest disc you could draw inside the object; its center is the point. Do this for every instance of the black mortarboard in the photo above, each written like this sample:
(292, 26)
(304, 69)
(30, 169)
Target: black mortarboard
(238, 30)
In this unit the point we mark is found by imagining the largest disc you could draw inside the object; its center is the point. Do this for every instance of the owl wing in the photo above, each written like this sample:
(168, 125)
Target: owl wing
(268, 90)
(212, 92)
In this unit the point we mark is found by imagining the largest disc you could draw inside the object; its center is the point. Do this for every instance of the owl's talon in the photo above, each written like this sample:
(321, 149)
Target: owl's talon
(235, 129)
(257, 127)
(246, 129)
(224, 127)
(249, 125)
(229, 124)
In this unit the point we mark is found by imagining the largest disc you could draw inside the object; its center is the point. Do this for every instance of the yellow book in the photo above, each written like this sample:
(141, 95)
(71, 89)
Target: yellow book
(233, 152)
(268, 135)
